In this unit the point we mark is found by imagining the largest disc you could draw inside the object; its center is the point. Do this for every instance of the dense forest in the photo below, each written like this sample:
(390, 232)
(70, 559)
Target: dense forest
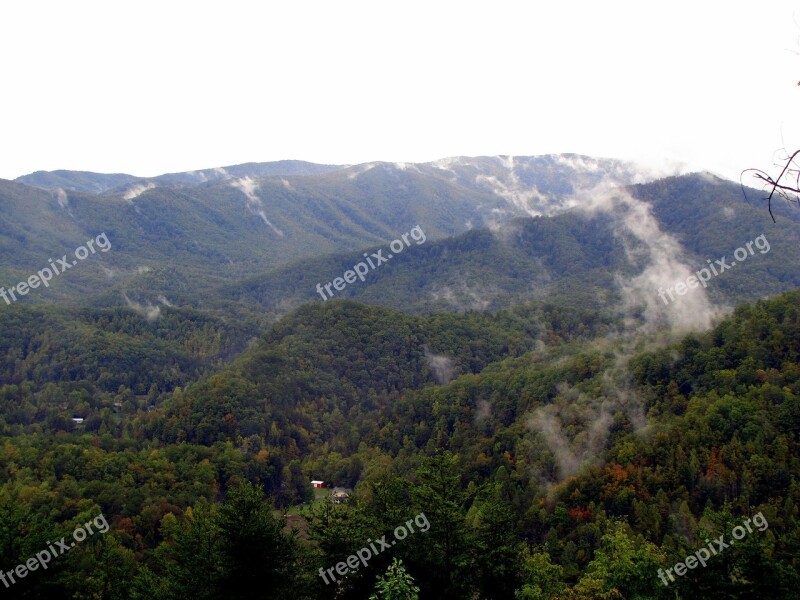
(552, 456)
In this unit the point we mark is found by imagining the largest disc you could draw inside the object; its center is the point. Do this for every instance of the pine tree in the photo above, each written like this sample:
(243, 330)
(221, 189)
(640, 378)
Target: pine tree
(257, 557)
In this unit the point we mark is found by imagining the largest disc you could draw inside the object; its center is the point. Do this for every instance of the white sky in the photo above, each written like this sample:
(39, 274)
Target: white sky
(151, 87)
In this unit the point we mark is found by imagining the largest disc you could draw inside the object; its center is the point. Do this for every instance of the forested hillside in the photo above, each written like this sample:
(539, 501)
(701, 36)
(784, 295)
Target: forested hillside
(573, 258)
(552, 458)
(185, 234)
(100, 364)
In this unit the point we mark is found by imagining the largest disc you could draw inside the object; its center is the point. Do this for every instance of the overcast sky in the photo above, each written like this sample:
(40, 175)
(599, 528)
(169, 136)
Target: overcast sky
(152, 87)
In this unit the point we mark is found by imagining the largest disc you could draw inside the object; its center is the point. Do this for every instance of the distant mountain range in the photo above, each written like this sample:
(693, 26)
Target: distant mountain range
(483, 191)
(576, 257)
(522, 179)
(100, 183)
(499, 231)
(218, 224)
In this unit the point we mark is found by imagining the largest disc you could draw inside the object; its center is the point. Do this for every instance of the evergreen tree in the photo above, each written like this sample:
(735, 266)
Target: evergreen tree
(257, 557)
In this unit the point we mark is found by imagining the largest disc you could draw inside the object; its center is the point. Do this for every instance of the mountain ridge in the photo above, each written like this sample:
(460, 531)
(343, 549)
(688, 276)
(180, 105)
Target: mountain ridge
(258, 244)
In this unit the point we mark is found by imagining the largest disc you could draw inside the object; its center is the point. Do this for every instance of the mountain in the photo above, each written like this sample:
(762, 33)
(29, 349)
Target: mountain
(575, 257)
(77, 181)
(99, 183)
(527, 182)
(265, 244)
(521, 185)
(281, 168)
(186, 233)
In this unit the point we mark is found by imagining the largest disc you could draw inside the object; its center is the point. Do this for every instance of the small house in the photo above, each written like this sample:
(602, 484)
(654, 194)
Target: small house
(340, 495)
(317, 484)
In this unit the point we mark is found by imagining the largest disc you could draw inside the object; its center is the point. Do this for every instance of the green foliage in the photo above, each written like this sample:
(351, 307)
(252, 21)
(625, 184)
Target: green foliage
(346, 393)
(395, 584)
(257, 557)
(238, 550)
(543, 580)
(623, 567)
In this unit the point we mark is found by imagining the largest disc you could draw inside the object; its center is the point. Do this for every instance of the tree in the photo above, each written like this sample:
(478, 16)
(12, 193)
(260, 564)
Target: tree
(444, 550)
(494, 532)
(196, 552)
(340, 531)
(785, 185)
(257, 557)
(623, 567)
(543, 579)
(395, 584)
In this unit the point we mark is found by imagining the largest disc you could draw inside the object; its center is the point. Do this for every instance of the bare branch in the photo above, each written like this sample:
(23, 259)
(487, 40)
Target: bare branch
(786, 184)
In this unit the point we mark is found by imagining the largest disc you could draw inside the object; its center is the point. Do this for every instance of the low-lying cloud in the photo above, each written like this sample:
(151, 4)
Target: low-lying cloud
(148, 311)
(442, 367)
(660, 254)
(137, 190)
(575, 427)
(254, 204)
